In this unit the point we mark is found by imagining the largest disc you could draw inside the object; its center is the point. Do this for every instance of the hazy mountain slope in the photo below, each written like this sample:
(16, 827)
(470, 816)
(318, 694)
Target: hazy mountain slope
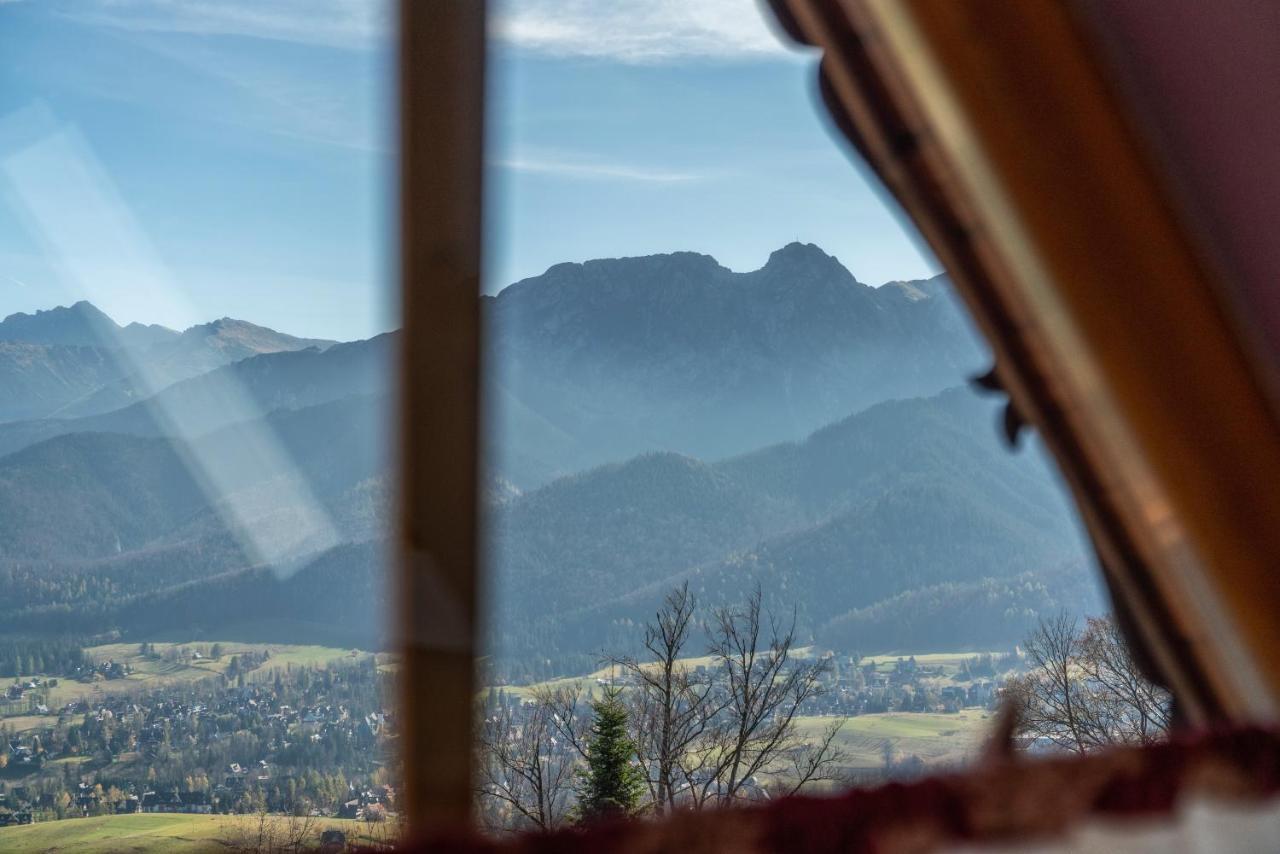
(339, 598)
(981, 614)
(907, 537)
(238, 392)
(75, 361)
(950, 438)
(907, 495)
(677, 353)
(196, 351)
(587, 538)
(136, 546)
(913, 496)
(36, 379)
(94, 496)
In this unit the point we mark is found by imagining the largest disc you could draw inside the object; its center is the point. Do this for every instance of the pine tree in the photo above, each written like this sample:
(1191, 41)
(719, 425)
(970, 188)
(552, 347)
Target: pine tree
(611, 785)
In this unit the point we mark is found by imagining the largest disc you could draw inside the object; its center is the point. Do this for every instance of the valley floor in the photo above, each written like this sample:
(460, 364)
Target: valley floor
(184, 834)
(940, 740)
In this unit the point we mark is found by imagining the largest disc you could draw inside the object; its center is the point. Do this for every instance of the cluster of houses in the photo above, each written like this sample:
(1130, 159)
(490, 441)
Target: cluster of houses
(854, 688)
(15, 810)
(19, 753)
(372, 804)
(21, 687)
(102, 670)
(19, 806)
(89, 800)
(26, 696)
(163, 719)
(148, 726)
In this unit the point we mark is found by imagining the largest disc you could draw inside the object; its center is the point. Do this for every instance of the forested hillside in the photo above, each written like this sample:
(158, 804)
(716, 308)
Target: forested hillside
(859, 527)
(240, 391)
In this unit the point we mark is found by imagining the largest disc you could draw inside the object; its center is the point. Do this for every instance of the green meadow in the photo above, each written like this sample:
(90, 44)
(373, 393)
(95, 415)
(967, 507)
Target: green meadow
(182, 834)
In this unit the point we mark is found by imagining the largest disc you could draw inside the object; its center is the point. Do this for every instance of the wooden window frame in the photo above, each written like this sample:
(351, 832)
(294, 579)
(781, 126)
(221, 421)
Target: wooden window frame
(1109, 336)
(995, 126)
(441, 99)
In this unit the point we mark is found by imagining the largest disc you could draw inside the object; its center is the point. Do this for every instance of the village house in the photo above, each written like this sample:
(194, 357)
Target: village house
(21, 816)
(177, 802)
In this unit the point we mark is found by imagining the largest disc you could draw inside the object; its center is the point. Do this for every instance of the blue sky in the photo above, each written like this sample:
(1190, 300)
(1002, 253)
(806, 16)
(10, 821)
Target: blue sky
(175, 161)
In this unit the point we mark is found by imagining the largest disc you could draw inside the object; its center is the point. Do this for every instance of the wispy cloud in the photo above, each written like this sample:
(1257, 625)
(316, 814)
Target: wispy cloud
(312, 96)
(632, 31)
(587, 167)
(640, 31)
(330, 23)
(285, 100)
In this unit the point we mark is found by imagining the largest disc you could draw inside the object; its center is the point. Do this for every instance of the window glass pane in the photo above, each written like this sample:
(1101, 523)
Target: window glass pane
(732, 423)
(193, 422)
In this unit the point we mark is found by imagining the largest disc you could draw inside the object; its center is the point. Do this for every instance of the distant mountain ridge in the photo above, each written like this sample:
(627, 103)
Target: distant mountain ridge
(903, 496)
(239, 391)
(80, 325)
(611, 358)
(588, 363)
(74, 361)
(195, 351)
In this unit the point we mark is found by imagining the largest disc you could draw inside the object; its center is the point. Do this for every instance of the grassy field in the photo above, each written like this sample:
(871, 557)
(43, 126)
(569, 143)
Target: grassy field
(946, 660)
(938, 739)
(282, 655)
(166, 833)
(949, 662)
(21, 724)
(590, 679)
(156, 672)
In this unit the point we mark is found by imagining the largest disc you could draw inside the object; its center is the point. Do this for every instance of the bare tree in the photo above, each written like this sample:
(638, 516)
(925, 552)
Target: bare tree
(714, 737)
(525, 768)
(673, 706)
(755, 734)
(1048, 697)
(1083, 689)
(1133, 709)
(570, 716)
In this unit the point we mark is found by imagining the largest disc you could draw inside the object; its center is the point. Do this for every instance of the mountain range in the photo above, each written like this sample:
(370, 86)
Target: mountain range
(603, 360)
(650, 420)
(75, 361)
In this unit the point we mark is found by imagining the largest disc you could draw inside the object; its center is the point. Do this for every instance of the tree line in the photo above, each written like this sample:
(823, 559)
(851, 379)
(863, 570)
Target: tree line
(1084, 690)
(51, 656)
(665, 735)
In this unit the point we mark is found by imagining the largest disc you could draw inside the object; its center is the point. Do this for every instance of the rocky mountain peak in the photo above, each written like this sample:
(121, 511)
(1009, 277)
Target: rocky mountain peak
(81, 324)
(805, 261)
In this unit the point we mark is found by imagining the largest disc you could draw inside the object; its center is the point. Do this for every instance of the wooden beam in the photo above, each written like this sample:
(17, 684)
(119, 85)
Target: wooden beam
(441, 155)
(996, 126)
